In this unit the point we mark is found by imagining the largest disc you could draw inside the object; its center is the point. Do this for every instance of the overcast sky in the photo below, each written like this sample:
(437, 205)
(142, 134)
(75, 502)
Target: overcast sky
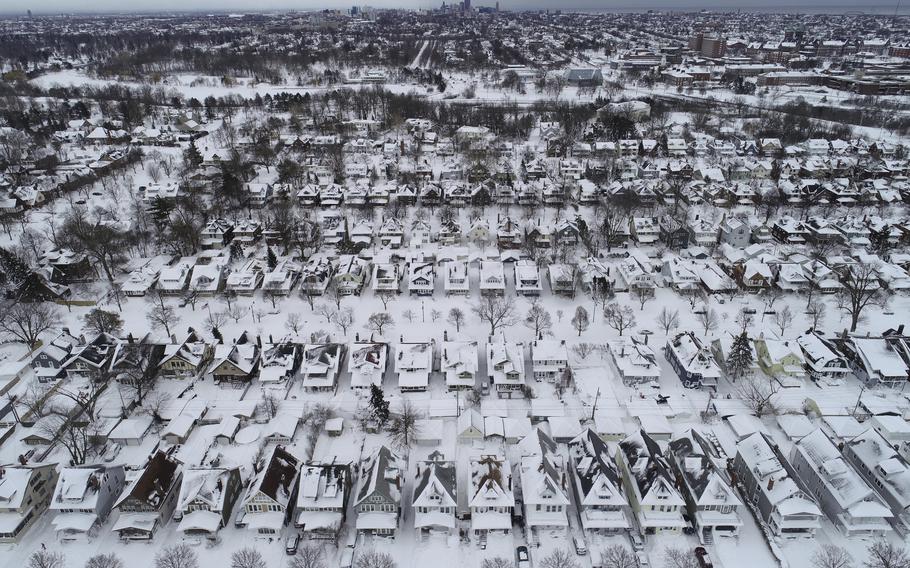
(56, 6)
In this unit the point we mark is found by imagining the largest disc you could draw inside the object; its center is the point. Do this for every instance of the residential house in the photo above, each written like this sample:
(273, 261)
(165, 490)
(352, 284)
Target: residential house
(93, 359)
(351, 273)
(603, 508)
(435, 496)
(506, 367)
(456, 282)
(459, 364)
(83, 499)
(549, 359)
(563, 279)
(692, 361)
(316, 275)
(635, 361)
(779, 358)
(843, 495)
(421, 278)
(25, 494)
(766, 479)
(543, 484)
(185, 359)
(367, 364)
(884, 468)
(150, 498)
(378, 503)
(320, 367)
(322, 500)
(527, 278)
(490, 495)
(279, 362)
(710, 499)
(413, 365)
(270, 499)
(48, 362)
(650, 485)
(386, 277)
(235, 363)
(822, 360)
(207, 497)
(492, 278)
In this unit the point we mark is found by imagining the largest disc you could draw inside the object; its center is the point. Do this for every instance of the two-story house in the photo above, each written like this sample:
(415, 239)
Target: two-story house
(710, 499)
(543, 484)
(650, 485)
(320, 366)
(185, 359)
(269, 501)
(843, 495)
(413, 365)
(506, 367)
(693, 362)
(83, 499)
(25, 494)
(490, 495)
(150, 498)
(322, 500)
(765, 478)
(459, 364)
(884, 468)
(549, 359)
(435, 496)
(603, 507)
(367, 364)
(378, 503)
(207, 497)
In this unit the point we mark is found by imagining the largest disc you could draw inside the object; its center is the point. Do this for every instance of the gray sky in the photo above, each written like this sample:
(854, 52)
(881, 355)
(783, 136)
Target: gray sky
(56, 6)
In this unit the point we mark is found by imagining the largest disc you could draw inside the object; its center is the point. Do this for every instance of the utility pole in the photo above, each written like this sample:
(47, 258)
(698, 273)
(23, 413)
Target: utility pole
(596, 398)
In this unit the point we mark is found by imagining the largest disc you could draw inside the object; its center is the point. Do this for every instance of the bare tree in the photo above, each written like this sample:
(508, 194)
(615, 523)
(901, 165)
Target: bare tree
(344, 319)
(101, 321)
(409, 315)
(379, 321)
(374, 559)
(161, 313)
(404, 425)
(559, 558)
(783, 319)
(581, 321)
(538, 319)
(177, 556)
(860, 288)
(292, 323)
(247, 558)
(618, 556)
(883, 554)
(497, 312)
(456, 318)
(269, 403)
(386, 296)
(770, 296)
(832, 556)
(110, 560)
(619, 317)
(758, 394)
(46, 559)
(679, 558)
(816, 311)
(708, 319)
(26, 322)
(327, 311)
(642, 295)
(668, 319)
(308, 556)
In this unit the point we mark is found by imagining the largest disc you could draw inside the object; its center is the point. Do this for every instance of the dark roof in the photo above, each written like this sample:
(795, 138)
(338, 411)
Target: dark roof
(280, 472)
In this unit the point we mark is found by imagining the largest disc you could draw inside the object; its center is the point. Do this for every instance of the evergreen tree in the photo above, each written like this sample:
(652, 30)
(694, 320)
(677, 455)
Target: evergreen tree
(740, 357)
(13, 270)
(379, 406)
(160, 210)
(192, 158)
(271, 259)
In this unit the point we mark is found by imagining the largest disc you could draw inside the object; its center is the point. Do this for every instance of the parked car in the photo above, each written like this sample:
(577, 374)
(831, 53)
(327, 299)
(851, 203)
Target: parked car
(521, 553)
(291, 544)
(704, 559)
(642, 559)
(580, 548)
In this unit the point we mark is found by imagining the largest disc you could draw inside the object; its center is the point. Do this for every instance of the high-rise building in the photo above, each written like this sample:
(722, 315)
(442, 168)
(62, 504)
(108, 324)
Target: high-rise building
(467, 5)
(713, 47)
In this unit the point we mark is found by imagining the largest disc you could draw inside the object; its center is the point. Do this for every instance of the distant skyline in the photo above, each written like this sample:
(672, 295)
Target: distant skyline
(100, 6)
